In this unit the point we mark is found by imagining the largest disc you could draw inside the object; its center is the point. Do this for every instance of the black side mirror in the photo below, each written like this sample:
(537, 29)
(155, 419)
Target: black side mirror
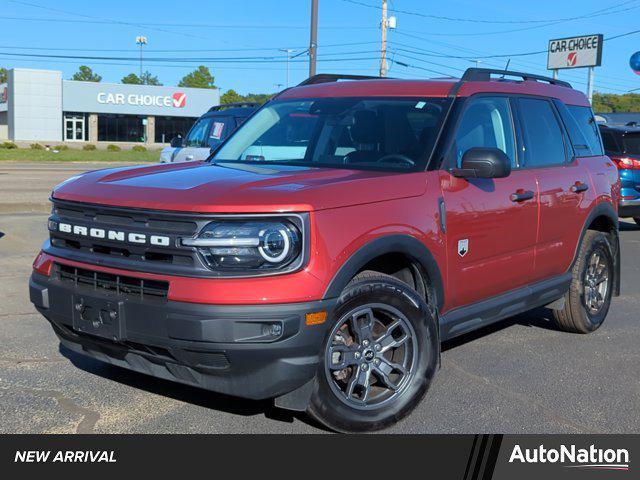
(483, 162)
(176, 142)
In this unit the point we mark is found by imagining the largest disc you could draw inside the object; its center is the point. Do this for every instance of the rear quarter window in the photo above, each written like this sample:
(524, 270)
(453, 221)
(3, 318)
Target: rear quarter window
(588, 127)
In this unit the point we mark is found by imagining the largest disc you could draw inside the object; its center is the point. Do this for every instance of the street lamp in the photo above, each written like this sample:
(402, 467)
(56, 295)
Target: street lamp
(142, 41)
(288, 51)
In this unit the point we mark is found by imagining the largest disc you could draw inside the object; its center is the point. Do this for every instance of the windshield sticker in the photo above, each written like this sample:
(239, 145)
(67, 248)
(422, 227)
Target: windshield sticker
(420, 104)
(216, 131)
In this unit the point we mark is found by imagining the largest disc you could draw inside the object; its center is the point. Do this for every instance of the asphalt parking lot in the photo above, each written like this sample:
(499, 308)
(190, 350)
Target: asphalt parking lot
(521, 376)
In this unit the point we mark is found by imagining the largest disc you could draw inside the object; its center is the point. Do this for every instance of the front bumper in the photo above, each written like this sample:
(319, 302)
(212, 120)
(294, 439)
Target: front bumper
(216, 347)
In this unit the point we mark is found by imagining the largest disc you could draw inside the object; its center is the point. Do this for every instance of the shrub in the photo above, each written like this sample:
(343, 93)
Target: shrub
(8, 145)
(61, 148)
(139, 148)
(113, 148)
(89, 146)
(36, 146)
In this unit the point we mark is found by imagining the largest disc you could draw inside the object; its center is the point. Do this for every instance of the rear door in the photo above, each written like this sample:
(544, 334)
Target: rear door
(563, 181)
(491, 224)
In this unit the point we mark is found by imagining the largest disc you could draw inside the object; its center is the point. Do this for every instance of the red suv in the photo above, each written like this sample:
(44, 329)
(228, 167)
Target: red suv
(329, 246)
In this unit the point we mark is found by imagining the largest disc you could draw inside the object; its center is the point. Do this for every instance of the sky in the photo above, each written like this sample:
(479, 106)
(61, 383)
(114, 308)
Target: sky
(242, 41)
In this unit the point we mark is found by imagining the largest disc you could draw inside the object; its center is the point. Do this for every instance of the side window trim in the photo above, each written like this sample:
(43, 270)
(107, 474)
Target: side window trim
(564, 134)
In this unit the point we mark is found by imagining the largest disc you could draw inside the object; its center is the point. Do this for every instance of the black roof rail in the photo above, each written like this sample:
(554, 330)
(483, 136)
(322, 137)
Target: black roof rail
(484, 75)
(334, 77)
(224, 106)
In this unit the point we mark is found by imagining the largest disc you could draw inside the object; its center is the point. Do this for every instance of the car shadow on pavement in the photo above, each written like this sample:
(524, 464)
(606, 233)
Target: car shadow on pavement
(538, 318)
(1, 234)
(185, 393)
(628, 226)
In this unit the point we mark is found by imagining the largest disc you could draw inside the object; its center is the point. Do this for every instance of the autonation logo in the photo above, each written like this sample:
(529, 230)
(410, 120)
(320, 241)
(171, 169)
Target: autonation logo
(573, 457)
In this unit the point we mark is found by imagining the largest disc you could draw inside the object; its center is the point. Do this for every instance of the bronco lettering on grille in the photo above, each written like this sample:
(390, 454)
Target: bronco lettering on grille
(115, 235)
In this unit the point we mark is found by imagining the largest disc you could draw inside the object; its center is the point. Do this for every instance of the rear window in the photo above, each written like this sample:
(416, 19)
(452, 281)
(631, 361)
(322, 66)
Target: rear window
(631, 143)
(589, 129)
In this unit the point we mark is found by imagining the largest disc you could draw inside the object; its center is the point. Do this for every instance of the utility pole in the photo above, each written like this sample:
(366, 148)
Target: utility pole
(383, 45)
(142, 41)
(313, 41)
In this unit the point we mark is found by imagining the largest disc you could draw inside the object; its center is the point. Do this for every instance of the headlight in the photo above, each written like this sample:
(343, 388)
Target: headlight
(249, 245)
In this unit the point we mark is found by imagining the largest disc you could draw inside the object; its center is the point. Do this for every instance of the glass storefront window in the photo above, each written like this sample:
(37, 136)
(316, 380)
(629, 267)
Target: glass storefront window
(169, 127)
(121, 128)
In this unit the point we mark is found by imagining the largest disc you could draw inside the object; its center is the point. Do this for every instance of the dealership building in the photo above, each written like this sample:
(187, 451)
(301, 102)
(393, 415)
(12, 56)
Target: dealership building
(39, 106)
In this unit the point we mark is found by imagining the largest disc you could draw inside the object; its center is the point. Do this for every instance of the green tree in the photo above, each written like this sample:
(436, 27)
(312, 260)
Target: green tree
(3, 75)
(611, 103)
(231, 96)
(146, 79)
(85, 74)
(199, 78)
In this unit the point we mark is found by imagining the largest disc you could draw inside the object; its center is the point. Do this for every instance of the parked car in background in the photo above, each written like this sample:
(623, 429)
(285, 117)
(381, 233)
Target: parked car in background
(622, 145)
(207, 133)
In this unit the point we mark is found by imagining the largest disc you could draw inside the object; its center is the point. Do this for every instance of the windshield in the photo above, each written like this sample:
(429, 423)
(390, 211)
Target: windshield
(387, 134)
(631, 143)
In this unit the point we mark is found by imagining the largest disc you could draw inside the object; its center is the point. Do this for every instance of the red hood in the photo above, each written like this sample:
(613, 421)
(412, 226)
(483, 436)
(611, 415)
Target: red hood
(234, 188)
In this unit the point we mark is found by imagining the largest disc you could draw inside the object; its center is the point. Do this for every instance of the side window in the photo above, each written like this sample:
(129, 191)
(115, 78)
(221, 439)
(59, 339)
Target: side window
(486, 122)
(610, 144)
(542, 133)
(588, 126)
(580, 144)
(198, 133)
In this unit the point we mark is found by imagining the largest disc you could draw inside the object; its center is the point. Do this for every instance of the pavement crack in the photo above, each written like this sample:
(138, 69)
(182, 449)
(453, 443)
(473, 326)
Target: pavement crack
(89, 417)
(18, 361)
(523, 399)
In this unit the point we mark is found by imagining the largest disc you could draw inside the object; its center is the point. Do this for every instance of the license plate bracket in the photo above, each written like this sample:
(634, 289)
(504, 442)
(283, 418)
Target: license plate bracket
(100, 317)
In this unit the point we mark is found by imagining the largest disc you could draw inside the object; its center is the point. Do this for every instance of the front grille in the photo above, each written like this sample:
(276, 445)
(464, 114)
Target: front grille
(108, 282)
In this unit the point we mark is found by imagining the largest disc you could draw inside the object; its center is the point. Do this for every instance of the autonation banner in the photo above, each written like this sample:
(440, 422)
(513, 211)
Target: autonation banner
(96, 97)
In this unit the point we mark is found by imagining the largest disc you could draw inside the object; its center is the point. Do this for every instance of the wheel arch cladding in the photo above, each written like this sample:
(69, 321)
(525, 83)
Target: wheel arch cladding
(405, 245)
(604, 218)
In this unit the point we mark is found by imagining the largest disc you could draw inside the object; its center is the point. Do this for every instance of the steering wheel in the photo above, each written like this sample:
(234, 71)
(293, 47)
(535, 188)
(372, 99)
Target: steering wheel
(396, 158)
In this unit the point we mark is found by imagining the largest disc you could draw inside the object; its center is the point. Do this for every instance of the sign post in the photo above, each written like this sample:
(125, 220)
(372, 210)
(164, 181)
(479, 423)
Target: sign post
(576, 52)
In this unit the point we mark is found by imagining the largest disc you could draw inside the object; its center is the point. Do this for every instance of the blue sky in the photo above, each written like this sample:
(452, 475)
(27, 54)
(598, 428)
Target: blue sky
(239, 40)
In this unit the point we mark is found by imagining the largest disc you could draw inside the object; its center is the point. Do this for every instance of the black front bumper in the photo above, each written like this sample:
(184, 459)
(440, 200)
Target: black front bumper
(216, 347)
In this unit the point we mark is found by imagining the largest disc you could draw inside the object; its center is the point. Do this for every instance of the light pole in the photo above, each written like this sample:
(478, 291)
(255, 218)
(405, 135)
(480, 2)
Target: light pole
(313, 40)
(288, 51)
(142, 41)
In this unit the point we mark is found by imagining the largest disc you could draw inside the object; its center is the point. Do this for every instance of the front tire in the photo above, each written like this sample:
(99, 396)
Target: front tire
(378, 358)
(589, 297)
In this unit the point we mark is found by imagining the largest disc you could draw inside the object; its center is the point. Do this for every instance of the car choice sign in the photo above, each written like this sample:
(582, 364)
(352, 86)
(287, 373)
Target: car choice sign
(575, 52)
(177, 100)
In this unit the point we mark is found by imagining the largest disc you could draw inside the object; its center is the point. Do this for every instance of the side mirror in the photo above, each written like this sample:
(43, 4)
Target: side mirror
(176, 142)
(483, 162)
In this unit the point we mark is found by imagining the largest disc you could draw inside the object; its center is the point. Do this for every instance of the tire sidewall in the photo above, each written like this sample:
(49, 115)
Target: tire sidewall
(601, 245)
(332, 411)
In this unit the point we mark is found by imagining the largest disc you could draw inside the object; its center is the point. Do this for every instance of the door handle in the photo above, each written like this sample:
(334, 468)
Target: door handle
(521, 195)
(579, 187)
(189, 157)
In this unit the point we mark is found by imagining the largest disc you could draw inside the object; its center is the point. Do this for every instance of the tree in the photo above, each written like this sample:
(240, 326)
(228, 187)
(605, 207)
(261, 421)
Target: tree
(3, 75)
(146, 79)
(85, 74)
(610, 102)
(199, 78)
(231, 96)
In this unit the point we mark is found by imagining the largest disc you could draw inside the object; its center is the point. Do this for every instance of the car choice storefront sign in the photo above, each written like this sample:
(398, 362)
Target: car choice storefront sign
(95, 97)
(575, 52)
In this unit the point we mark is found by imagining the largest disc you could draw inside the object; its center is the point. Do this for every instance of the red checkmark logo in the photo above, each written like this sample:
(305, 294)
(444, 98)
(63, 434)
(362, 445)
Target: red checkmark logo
(179, 99)
(572, 58)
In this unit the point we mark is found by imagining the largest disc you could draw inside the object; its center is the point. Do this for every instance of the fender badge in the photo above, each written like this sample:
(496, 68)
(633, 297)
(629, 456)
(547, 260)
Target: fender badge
(463, 247)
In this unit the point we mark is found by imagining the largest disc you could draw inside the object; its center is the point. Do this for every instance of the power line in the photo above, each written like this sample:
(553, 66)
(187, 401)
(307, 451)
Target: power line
(596, 13)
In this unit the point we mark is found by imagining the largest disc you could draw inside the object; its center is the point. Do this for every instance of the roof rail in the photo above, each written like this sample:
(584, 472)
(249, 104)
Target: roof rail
(484, 75)
(224, 106)
(334, 77)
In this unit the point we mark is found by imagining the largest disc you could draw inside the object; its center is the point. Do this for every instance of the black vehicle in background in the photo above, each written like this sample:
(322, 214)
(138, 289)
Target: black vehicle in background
(207, 132)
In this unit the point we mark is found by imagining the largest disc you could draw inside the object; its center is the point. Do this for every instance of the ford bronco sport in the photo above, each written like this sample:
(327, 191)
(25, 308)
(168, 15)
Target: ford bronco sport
(328, 247)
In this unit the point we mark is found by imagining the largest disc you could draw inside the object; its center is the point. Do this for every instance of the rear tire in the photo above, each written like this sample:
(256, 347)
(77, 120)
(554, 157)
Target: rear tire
(589, 297)
(379, 356)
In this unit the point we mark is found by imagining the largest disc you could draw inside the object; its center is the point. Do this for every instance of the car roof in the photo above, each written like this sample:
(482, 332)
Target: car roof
(468, 85)
(619, 128)
(232, 110)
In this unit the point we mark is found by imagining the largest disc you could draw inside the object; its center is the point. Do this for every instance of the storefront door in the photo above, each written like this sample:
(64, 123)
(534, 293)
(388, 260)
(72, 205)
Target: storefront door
(74, 126)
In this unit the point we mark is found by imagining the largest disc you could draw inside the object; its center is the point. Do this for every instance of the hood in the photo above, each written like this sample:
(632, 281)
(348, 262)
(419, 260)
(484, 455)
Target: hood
(237, 188)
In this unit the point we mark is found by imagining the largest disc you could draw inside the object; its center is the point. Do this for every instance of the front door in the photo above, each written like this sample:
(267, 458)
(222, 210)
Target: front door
(491, 224)
(195, 146)
(74, 128)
